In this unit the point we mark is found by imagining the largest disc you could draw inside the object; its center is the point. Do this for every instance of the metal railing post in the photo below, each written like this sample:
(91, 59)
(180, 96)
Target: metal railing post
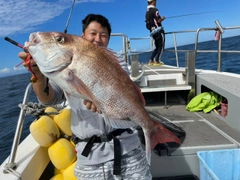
(220, 28)
(134, 65)
(219, 53)
(11, 163)
(190, 69)
(175, 47)
(125, 44)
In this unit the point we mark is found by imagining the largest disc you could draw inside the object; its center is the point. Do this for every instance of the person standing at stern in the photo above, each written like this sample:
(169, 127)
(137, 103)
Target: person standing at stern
(154, 25)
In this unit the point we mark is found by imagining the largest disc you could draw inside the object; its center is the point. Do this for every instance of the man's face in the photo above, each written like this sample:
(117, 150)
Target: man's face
(155, 2)
(96, 34)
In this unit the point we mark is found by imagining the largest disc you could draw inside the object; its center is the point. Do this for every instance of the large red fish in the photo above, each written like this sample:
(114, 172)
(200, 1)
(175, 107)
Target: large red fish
(84, 70)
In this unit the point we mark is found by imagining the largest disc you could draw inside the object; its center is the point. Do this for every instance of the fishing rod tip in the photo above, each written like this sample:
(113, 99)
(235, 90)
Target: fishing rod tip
(6, 38)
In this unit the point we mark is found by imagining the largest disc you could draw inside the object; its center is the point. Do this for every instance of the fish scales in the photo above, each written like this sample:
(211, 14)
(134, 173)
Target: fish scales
(104, 76)
(84, 70)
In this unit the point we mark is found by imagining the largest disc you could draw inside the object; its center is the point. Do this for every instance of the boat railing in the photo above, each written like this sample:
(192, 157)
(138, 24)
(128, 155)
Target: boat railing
(128, 51)
(219, 51)
(125, 43)
(11, 165)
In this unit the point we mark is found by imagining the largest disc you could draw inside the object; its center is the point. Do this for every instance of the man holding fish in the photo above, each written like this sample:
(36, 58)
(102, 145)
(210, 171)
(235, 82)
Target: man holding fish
(115, 153)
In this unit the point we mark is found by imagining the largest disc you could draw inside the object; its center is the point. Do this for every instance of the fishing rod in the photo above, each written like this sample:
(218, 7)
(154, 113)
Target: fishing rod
(13, 42)
(69, 16)
(189, 14)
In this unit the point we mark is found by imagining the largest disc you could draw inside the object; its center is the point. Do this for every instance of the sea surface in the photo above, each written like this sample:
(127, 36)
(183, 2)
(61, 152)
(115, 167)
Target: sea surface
(12, 88)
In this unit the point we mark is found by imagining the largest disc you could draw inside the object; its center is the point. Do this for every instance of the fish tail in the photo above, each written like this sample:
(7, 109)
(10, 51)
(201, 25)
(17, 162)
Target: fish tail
(158, 135)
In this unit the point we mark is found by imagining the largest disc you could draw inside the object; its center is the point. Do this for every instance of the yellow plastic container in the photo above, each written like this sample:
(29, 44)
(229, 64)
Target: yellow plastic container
(68, 173)
(61, 153)
(45, 131)
(57, 177)
(63, 120)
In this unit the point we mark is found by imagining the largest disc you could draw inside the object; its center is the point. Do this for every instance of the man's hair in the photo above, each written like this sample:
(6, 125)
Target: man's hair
(97, 18)
(150, 2)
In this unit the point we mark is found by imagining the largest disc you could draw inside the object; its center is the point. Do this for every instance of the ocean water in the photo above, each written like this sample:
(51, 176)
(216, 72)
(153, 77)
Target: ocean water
(12, 91)
(12, 88)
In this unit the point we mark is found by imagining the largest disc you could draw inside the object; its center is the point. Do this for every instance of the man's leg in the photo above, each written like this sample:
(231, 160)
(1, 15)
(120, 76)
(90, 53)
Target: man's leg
(160, 46)
(134, 167)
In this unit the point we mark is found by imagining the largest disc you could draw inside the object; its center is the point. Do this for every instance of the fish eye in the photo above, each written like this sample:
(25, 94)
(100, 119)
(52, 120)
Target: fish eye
(59, 39)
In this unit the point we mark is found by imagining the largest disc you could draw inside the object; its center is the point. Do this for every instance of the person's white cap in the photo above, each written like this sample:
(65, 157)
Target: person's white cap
(149, 0)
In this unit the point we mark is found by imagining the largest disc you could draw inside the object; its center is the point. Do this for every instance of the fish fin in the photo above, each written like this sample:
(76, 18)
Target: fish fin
(110, 53)
(81, 88)
(158, 135)
(116, 123)
(112, 56)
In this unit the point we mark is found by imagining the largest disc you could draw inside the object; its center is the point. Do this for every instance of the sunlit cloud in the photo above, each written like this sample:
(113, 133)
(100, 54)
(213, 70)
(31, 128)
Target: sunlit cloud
(5, 71)
(19, 69)
(120, 52)
(23, 16)
(14, 70)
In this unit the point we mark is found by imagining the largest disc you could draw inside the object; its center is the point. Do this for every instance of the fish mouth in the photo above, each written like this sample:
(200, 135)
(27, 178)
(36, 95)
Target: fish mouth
(33, 41)
(30, 45)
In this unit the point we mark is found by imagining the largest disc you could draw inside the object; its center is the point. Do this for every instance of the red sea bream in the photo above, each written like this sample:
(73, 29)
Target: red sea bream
(86, 71)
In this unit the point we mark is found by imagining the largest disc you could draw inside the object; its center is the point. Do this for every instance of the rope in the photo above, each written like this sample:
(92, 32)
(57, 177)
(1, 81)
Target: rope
(38, 109)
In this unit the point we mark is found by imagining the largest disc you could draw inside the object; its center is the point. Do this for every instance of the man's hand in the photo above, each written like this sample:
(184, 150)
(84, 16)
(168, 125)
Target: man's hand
(34, 67)
(91, 106)
(161, 19)
(39, 86)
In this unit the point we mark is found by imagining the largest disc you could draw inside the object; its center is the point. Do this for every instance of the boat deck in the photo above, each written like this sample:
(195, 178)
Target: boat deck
(167, 95)
(203, 131)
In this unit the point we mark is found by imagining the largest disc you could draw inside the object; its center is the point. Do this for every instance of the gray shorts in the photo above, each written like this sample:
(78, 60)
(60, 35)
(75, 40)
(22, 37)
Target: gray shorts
(134, 167)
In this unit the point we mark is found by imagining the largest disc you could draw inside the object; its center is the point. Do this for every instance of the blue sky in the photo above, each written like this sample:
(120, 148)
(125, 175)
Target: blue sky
(20, 18)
